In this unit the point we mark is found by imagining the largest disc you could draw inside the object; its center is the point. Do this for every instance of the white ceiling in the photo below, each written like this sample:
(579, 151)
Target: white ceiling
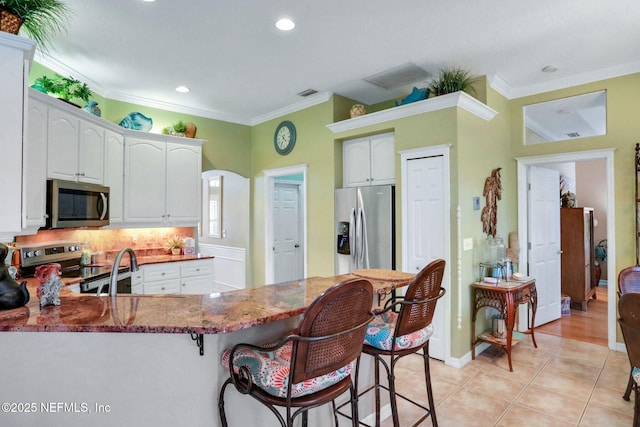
(240, 68)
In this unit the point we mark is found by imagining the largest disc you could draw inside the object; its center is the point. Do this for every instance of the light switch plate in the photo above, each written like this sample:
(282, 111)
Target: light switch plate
(476, 203)
(467, 244)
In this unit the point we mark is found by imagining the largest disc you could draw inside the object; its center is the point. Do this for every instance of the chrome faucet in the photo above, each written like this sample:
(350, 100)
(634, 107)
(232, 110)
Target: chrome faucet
(113, 279)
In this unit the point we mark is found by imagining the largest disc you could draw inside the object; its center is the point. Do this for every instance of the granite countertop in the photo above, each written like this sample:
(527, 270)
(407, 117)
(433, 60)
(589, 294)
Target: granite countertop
(155, 259)
(201, 314)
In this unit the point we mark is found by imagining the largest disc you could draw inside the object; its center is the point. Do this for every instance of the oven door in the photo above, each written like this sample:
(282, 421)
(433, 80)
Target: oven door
(91, 286)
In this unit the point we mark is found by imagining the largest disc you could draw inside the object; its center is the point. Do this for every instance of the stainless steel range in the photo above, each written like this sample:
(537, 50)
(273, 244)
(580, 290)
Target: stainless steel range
(68, 255)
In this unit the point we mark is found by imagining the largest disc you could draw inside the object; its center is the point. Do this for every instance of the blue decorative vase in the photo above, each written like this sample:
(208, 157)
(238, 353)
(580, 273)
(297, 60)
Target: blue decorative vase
(92, 107)
(137, 121)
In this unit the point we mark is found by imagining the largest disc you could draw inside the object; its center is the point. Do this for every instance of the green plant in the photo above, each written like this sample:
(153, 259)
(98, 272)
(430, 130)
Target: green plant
(41, 18)
(66, 88)
(452, 80)
(179, 127)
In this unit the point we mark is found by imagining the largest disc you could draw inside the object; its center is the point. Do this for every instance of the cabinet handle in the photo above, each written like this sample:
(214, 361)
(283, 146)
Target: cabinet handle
(162, 288)
(163, 273)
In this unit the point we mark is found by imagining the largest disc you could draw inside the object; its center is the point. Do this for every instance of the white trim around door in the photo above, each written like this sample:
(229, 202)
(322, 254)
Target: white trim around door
(405, 156)
(270, 177)
(523, 217)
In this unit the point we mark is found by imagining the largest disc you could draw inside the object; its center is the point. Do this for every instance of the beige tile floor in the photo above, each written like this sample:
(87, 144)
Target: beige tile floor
(563, 382)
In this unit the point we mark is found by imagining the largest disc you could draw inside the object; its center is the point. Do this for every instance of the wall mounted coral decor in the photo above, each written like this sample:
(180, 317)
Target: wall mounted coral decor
(492, 193)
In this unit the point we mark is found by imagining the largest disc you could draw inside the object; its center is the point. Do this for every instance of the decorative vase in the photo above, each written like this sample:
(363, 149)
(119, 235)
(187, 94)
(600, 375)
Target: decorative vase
(176, 251)
(92, 107)
(357, 110)
(191, 130)
(9, 23)
(137, 121)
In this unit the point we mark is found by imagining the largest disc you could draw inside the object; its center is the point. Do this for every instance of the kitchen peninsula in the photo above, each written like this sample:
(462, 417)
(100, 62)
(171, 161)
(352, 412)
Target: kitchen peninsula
(149, 372)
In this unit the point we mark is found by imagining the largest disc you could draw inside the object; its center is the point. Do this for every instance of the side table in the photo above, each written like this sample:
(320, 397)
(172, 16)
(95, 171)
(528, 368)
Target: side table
(504, 297)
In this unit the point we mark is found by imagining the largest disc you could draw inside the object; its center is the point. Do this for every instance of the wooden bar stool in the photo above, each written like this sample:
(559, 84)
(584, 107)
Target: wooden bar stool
(629, 282)
(629, 320)
(311, 367)
(404, 331)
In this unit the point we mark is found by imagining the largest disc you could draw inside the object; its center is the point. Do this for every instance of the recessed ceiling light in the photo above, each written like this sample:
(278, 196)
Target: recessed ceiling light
(148, 1)
(182, 89)
(285, 24)
(550, 69)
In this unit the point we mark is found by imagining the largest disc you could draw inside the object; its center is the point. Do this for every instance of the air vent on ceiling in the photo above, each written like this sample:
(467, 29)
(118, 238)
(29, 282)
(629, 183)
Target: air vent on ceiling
(398, 76)
(573, 134)
(307, 92)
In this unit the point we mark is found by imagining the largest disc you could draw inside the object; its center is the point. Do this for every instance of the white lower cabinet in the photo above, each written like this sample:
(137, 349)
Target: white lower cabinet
(183, 277)
(161, 278)
(137, 282)
(196, 277)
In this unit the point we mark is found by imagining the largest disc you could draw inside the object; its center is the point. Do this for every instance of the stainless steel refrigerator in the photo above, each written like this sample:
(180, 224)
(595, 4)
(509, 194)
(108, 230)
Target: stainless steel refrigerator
(365, 228)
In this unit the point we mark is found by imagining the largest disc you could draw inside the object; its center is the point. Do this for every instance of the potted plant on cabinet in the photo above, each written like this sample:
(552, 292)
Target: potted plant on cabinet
(65, 88)
(452, 80)
(174, 244)
(40, 19)
(177, 129)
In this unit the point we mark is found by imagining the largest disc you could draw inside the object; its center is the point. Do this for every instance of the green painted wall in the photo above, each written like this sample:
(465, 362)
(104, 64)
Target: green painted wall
(314, 148)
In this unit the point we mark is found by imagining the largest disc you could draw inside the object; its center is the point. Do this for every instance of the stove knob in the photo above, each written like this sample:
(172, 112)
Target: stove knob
(29, 254)
(38, 253)
(71, 248)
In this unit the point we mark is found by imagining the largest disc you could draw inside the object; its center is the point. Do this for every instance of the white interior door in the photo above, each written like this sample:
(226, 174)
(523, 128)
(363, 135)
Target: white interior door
(286, 242)
(544, 243)
(426, 230)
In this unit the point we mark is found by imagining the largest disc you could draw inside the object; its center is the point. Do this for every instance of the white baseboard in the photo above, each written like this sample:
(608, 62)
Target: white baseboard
(459, 362)
(385, 412)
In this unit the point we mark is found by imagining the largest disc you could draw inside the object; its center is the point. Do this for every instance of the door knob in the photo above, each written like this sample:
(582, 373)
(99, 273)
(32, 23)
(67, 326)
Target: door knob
(296, 245)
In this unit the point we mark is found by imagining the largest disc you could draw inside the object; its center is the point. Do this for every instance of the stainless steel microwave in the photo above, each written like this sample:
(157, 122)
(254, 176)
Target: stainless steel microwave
(76, 204)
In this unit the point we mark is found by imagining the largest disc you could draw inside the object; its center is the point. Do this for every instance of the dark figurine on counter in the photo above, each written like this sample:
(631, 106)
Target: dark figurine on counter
(12, 295)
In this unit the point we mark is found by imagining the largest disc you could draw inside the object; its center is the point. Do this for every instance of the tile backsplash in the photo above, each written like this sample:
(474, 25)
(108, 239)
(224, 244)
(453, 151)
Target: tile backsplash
(145, 241)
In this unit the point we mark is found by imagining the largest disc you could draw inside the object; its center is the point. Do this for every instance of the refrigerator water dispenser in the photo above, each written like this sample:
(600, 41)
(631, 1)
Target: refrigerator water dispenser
(343, 238)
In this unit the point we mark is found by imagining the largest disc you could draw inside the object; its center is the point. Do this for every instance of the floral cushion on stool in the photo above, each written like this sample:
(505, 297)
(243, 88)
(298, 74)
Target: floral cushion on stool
(380, 332)
(270, 371)
(635, 373)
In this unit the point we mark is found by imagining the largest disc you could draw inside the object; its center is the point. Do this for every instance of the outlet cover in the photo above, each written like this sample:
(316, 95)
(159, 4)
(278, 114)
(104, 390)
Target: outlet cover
(467, 244)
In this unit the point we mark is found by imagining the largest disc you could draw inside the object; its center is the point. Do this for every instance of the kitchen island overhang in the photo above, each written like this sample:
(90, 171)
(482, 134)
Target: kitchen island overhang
(134, 354)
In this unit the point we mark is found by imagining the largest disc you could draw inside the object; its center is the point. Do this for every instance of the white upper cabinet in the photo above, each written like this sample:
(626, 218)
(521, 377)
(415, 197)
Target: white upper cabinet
(184, 171)
(35, 167)
(145, 176)
(75, 148)
(16, 54)
(162, 181)
(91, 153)
(369, 161)
(114, 174)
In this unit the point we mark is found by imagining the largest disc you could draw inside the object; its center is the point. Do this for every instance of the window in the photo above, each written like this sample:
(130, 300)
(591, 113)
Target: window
(212, 215)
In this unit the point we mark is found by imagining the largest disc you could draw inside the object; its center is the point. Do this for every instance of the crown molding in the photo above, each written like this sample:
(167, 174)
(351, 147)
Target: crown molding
(27, 46)
(501, 86)
(310, 101)
(60, 68)
(457, 99)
